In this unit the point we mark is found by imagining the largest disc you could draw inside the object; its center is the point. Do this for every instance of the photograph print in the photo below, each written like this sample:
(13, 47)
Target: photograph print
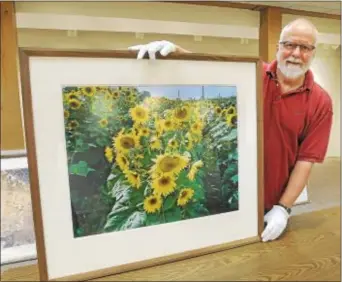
(147, 155)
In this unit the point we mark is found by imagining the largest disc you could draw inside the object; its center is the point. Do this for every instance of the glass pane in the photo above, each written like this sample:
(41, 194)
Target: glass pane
(17, 228)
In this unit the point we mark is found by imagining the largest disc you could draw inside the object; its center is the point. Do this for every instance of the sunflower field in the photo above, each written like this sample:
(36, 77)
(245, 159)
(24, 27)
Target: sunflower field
(135, 160)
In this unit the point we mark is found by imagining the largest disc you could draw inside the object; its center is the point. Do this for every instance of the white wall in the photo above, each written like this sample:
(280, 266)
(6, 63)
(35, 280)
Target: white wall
(327, 71)
(326, 66)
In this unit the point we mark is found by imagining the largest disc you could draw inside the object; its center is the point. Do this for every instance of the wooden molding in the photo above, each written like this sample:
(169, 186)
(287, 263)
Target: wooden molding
(258, 7)
(269, 32)
(12, 137)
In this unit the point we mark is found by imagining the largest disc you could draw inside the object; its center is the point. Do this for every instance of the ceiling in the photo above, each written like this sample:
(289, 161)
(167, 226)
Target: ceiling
(323, 6)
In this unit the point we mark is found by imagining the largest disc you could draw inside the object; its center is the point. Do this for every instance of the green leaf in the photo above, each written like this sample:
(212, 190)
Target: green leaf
(235, 179)
(169, 202)
(173, 215)
(123, 219)
(195, 209)
(81, 168)
(153, 219)
(230, 137)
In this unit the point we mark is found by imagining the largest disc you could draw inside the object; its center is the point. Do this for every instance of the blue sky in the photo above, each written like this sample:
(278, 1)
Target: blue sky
(189, 91)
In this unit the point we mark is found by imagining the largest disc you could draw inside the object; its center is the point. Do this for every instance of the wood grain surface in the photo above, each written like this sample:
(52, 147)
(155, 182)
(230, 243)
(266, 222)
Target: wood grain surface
(310, 250)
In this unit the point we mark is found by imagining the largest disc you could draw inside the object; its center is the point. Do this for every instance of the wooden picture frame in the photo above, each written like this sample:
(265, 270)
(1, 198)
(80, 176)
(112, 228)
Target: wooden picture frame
(177, 221)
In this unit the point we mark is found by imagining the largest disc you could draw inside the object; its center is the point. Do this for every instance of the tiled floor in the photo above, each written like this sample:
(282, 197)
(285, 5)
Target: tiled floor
(324, 187)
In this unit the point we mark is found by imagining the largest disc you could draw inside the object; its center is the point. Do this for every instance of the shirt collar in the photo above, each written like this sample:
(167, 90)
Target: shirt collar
(309, 77)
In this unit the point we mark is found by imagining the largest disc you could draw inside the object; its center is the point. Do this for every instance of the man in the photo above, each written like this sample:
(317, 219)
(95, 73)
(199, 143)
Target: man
(297, 119)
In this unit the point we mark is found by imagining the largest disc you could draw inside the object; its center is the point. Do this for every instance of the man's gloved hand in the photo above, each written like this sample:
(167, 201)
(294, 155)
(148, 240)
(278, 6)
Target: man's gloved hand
(276, 219)
(164, 47)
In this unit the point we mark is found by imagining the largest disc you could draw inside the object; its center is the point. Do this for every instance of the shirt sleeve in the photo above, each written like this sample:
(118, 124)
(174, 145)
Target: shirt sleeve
(314, 145)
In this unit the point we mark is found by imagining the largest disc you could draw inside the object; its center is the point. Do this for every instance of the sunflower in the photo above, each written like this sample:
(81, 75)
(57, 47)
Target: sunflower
(173, 143)
(88, 91)
(231, 110)
(108, 96)
(155, 143)
(170, 164)
(232, 120)
(218, 110)
(159, 124)
(122, 162)
(185, 196)
(182, 113)
(197, 127)
(133, 178)
(194, 168)
(168, 125)
(144, 131)
(73, 124)
(164, 185)
(152, 203)
(109, 154)
(74, 104)
(116, 94)
(103, 122)
(123, 142)
(139, 114)
(66, 114)
(72, 95)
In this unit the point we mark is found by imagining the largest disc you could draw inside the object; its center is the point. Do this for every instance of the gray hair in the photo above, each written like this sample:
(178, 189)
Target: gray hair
(301, 21)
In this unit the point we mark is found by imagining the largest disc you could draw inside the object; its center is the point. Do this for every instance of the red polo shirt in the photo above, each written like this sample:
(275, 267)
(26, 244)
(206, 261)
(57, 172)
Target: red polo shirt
(296, 127)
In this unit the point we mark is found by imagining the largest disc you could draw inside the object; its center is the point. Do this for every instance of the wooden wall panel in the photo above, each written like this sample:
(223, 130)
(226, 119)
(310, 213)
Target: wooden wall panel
(269, 32)
(12, 137)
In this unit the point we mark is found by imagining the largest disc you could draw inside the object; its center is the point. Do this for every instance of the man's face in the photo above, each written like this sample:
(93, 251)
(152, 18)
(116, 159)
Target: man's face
(296, 52)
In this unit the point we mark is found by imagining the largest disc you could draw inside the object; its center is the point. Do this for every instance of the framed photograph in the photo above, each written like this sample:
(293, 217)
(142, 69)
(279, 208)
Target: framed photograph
(135, 163)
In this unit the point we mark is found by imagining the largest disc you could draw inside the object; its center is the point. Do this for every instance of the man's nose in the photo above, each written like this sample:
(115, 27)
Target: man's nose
(296, 51)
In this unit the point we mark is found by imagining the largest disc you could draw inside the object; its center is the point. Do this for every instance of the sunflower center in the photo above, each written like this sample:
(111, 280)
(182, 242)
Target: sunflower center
(168, 164)
(164, 181)
(181, 113)
(88, 89)
(127, 142)
(184, 194)
(153, 201)
(140, 113)
(167, 123)
(230, 111)
(234, 120)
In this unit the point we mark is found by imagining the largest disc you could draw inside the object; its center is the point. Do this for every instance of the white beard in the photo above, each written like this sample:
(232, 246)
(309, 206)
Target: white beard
(291, 71)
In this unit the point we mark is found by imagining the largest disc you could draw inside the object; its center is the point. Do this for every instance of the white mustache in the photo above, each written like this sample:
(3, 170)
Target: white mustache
(294, 60)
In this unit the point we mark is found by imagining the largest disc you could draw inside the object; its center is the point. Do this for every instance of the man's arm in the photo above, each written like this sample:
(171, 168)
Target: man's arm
(311, 150)
(296, 184)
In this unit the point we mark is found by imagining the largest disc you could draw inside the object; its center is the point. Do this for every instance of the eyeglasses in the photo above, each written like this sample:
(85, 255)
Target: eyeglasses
(305, 48)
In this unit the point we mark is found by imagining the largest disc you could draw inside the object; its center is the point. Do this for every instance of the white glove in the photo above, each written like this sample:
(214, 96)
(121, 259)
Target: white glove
(164, 47)
(276, 219)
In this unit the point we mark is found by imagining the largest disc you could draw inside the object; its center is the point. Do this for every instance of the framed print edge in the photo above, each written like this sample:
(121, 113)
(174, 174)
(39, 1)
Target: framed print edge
(32, 164)
(25, 54)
